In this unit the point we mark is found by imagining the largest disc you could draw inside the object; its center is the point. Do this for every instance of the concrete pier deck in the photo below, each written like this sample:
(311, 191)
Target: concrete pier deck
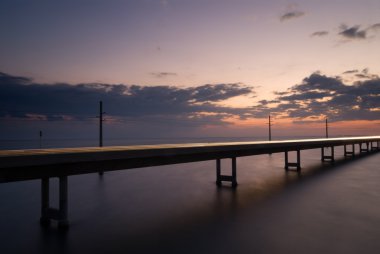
(20, 165)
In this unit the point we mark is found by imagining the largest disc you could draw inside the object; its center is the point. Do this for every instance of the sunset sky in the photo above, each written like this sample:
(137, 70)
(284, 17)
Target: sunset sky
(181, 67)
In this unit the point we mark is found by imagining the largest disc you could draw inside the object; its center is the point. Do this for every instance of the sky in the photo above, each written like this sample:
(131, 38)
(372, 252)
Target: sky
(189, 68)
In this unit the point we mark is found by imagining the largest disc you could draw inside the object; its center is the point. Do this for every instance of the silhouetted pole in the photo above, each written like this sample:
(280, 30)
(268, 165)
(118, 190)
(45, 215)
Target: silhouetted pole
(100, 123)
(101, 127)
(327, 129)
(40, 139)
(270, 129)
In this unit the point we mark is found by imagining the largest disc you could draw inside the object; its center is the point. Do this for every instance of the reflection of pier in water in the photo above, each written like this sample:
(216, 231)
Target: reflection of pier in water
(19, 165)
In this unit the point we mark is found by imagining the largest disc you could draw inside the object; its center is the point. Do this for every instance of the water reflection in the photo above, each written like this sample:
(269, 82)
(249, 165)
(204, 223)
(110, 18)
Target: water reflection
(179, 209)
(53, 240)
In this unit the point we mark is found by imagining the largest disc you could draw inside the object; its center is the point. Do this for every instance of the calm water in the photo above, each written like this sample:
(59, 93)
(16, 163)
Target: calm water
(179, 209)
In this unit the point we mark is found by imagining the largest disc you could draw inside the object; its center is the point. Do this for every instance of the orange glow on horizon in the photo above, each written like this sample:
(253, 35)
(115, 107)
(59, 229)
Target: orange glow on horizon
(287, 125)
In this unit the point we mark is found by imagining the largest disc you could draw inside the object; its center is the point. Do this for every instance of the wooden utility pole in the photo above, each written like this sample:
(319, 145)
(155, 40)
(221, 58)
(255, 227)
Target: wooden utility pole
(101, 123)
(101, 127)
(270, 129)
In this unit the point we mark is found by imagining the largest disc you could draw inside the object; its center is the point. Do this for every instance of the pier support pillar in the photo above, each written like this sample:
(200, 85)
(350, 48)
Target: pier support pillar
(349, 153)
(48, 213)
(364, 150)
(297, 164)
(226, 178)
(373, 147)
(330, 157)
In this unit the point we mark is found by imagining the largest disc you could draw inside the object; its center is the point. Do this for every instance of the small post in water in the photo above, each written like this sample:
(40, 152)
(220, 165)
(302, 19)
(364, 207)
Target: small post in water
(40, 139)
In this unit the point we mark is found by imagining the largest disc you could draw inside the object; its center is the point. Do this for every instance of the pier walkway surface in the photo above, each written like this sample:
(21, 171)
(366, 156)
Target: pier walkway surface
(20, 165)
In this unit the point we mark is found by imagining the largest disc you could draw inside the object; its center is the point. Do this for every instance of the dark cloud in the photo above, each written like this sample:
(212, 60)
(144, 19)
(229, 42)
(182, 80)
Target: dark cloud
(163, 74)
(218, 92)
(319, 82)
(6, 78)
(22, 98)
(292, 15)
(319, 33)
(316, 96)
(319, 95)
(353, 32)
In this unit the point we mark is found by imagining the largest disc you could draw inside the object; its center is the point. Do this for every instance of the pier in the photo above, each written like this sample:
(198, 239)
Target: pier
(43, 164)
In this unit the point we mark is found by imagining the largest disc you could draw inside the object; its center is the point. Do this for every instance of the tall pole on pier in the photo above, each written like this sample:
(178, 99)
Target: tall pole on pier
(101, 128)
(327, 129)
(100, 123)
(270, 128)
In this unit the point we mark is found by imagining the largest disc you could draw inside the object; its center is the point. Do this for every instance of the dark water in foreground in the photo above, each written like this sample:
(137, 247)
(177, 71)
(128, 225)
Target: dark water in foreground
(179, 209)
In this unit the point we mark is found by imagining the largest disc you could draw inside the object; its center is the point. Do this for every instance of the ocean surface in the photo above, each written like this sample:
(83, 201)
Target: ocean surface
(179, 209)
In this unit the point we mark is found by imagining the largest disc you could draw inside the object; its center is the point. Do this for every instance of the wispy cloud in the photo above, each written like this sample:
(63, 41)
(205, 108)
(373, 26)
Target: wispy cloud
(319, 34)
(366, 75)
(375, 27)
(163, 74)
(292, 15)
(356, 33)
(353, 32)
(363, 74)
(350, 71)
